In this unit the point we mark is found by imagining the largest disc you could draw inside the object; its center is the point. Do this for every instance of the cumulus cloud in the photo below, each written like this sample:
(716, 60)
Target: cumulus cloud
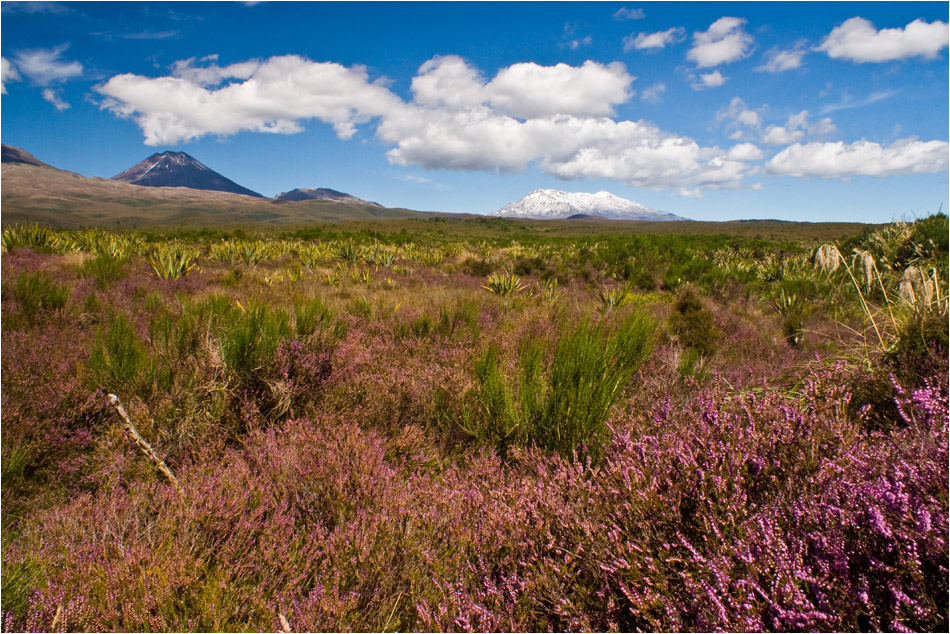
(725, 41)
(661, 39)
(861, 158)
(529, 90)
(859, 41)
(654, 94)
(780, 60)
(745, 152)
(271, 96)
(795, 129)
(54, 98)
(8, 73)
(559, 118)
(623, 13)
(710, 80)
(738, 117)
(45, 66)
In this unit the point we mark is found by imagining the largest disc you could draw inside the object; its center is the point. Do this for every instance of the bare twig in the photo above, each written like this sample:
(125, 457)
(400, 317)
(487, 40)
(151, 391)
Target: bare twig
(142, 443)
(284, 625)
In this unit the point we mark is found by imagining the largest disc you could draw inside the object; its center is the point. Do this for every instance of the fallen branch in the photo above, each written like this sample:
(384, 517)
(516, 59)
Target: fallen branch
(142, 443)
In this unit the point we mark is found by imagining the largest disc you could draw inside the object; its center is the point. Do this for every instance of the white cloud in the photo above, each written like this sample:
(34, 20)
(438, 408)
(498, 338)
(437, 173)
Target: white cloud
(524, 90)
(725, 41)
(745, 152)
(275, 97)
(529, 90)
(857, 40)
(53, 97)
(795, 129)
(862, 158)
(44, 66)
(847, 103)
(739, 114)
(629, 14)
(661, 39)
(8, 73)
(780, 60)
(572, 42)
(559, 118)
(781, 135)
(710, 80)
(654, 94)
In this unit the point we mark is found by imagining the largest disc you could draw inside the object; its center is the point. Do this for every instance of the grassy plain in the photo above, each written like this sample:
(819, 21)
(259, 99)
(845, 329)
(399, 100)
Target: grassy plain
(455, 424)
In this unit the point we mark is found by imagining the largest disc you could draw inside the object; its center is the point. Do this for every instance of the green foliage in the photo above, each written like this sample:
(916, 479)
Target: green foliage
(503, 284)
(19, 581)
(561, 403)
(171, 263)
(34, 236)
(251, 337)
(313, 317)
(477, 267)
(104, 268)
(118, 360)
(693, 324)
(36, 292)
(613, 298)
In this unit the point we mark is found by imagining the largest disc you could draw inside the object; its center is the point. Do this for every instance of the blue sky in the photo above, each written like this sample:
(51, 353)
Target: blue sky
(713, 111)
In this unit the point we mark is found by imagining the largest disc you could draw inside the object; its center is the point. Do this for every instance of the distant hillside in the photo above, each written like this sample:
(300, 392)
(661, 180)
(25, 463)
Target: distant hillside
(178, 169)
(16, 155)
(322, 193)
(37, 192)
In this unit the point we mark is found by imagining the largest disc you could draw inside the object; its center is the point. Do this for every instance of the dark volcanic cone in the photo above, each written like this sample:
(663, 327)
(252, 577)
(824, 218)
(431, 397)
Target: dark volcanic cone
(177, 169)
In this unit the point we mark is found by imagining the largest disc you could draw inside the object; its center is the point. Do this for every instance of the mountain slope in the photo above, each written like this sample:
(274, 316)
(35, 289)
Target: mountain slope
(178, 169)
(322, 193)
(36, 192)
(12, 154)
(551, 204)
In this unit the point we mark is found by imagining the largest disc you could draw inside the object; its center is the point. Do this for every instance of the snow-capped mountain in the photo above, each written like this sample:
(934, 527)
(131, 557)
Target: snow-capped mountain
(177, 169)
(551, 204)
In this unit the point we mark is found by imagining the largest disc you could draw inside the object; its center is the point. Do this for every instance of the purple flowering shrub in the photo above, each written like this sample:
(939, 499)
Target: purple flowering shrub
(741, 512)
(327, 480)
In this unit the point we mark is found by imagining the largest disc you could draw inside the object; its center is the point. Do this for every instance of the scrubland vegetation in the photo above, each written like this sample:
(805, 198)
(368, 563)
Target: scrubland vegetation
(476, 426)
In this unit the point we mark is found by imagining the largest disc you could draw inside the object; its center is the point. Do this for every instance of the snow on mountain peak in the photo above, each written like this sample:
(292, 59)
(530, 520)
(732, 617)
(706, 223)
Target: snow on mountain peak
(550, 204)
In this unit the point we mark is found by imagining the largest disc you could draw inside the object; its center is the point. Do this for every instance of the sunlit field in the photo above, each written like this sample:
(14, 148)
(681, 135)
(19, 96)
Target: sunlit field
(476, 425)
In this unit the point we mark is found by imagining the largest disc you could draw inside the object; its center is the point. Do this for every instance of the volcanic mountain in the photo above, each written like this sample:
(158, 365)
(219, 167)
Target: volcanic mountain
(322, 193)
(551, 204)
(177, 169)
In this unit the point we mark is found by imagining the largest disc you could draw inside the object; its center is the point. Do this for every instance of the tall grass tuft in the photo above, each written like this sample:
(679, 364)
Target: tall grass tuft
(562, 403)
(251, 338)
(119, 361)
(37, 292)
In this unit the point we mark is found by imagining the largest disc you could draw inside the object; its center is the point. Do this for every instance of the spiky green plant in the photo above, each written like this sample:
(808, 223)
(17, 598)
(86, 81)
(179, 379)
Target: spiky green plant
(613, 298)
(503, 284)
(171, 262)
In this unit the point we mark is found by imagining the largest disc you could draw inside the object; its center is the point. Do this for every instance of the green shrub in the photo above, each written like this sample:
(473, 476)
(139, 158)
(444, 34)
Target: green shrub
(250, 338)
(118, 360)
(313, 316)
(37, 292)
(476, 268)
(104, 268)
(693, 324)
(562, 400)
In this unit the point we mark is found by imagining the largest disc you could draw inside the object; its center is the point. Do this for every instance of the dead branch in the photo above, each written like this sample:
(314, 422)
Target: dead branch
(142, 443)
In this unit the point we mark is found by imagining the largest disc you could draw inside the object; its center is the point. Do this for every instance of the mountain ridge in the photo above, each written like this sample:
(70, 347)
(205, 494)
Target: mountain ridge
(321, 193)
